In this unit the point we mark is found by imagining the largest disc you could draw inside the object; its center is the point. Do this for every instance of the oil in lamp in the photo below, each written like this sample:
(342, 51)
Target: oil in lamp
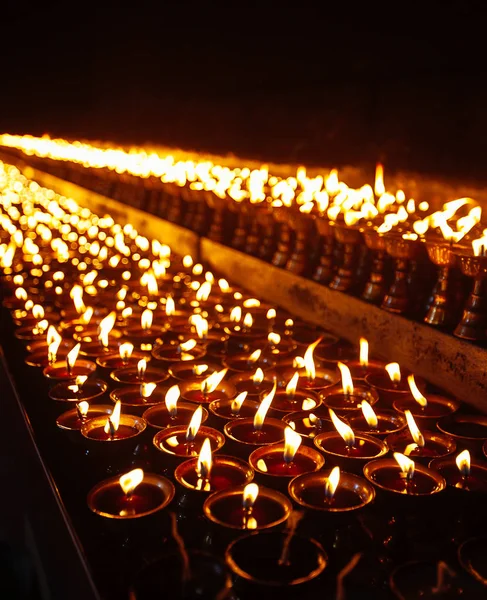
(364, 366)
(81, 388)
(462, 473)
(183, 441)
(139, 374)
(238, 407)
(173, 412)
(348, 450)
(392, 385)
(379, 423)
(256, 384)
(70, 368)
(422, 445)
(126, 357)
(115, 428)
(209, 389)
(347, 398)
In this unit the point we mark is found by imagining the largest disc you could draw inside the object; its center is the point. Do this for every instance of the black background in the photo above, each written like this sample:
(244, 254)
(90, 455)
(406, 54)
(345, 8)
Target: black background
(317, 83)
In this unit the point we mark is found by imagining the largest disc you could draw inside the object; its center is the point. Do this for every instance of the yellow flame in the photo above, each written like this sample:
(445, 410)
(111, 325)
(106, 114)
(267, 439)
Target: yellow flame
(83, 408)
(463, 463)
(146, 319)
(379, 187)
(394, 372)
(76, 295)
(421, 227)
(170, 306)
(331, 483)
(203, 292)
(332, 184)
(248, 321)
(21, 294)
(106, 325)
(171, 400)
(251, 303)
(347, 382)
(250, 493)
(141, 368)
(72, 356)
(236, 314)
(187, 261)
(200, 369)
(258, 376)
(479, 246)
(131, 480)
(210, 384)
(113, 421)
(292, 441)
(224, 286)
(271, 314)
(38, 312)
(414, 429)
(205, 460)
(126, 350)
(188, 345)
(364, 352)
(264, 407)
(292, 385)
(237, 402)
(274, 338)
(406, 464)
(151, 283)
(345, 431)
(369, 414)
(417, 395)
(85, 318)
(146, 389)
(254, 357)
(309, 363)
(194, 424)
(202, 327)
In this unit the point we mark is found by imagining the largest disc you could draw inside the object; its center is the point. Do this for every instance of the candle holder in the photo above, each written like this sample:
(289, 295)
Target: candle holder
(244, 383)
(469, 431)
(172, 353)
(242, 363)
(329, 355)
(473, 324)
(388, 421)
(376, 284)
(186, 370)
(192, 392)
(324, 378)
(160, 417)
(226, 472)
(71, 420)
(241, 339)
(131, 376)
(344, 403)
(172, 443)
(285, 240)
(40, 360)
(475, 481)
(325, 268)
(243, 437)
(59, 371)
(360, 372)
(437, 408)
(392, 391)
(344, 279)
(473, 558)
(134, 402)
(284, 403)
(304, 335)
(112, 362)
(88, 391)
(386, 474)
(441, 312)
(347, 457)
(223, 410)
(436, 445)
(308, 427)
(267, 232)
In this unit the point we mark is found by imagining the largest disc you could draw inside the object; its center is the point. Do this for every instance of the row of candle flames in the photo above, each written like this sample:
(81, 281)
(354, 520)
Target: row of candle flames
(14, 183)
(324, 196)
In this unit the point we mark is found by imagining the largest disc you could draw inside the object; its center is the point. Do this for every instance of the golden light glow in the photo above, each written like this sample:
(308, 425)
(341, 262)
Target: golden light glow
(331, 483)
(237, 402)
(417, 395)
(406, 465)
(254, 357)
(83, 407)
(274, 338)
(379, 187)
(251, 303)
(53, 342)
(85, 318)
(248, 321)
(345, 431)
(204, 463)
(309, 363)
(72, 356)
(194, 424)
(414, 429)
(125, 350)
(369, 414)
(292, 385)
(292, 441)
(170, 306)
(146, 319)
(141, 368)
(105, 326)
(258, 376)
(202, 327)
(78, 382)
(38, 312)
(250, 493)
(146, 389)
(347, 382)
(271, 314)
(76, 295)
(236, 314)
(113, 421)
(224, 286)
(131, 480)
(199, 369)
(187, 261)
(394, 372)
(463, 463)
(203, 292)
(188, 345)
(171, 400)
(261, 413)
(364, 352)
(479, 246)
(210, 384)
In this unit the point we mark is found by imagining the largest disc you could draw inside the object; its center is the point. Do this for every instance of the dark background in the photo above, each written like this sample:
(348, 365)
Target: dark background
(317, 83)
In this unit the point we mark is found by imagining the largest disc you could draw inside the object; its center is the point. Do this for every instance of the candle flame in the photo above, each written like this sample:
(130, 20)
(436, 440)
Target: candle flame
(146, 389)
(264, 407)
(298, 362)
(82, 408)
(126, 350)
(292, 385)
(188, 345)
(271, 314)
(194, 424)
(170, 306)
(113, 421)
(141, 368)
(203, 292)
(251, 303)
(292, 441)
(406, 465)
(205, 461)
(364, 352)
(146, 319)
(199, 369)
(369, 414)
(479, 246)
(417, 395)
(309, 363)
(223, 285)
(250, 493)
(394, 372)
(258, 376)
(38, 312)
(53, 342)
(76, 295)
(414, 429)
(345, 431)
(171, 400)
(347, 383)
(187, 261)
(237, 402)
(463, 463)
(131, 480)
(201, 326)
(274, 338)
(21, 294)
(331, 483)
(151, 282)
(379, 187)
(248, 321)
(254, 357)
(332, 184)
(72, 356)
(105, 326)
(85, 318)
(210, 384)
(236, 314)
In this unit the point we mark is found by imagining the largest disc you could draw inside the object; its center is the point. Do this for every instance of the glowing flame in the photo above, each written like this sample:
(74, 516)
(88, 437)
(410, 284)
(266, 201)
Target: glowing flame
(236, 314)
(254, 357)
(38, 312)
(76, 295)
(204, 292)
(250, 493)
(258, 376)
(106, 325)
(463, 463)
(188, 345)
(364, 352)
(21, 294)
(274, 338)
(126, 350)
(292, 441)
(130, 481)
(146, 389)
(205, 460)
(264, 407)
(292, 385)
(369, 414)
(237, 403)
(194, 424)
(210, 384)
(170, 306)
(394, 372)
(379, 187)
(479, 246)
(53, 342)
(406, 465)
(82, 408)
(309, 363)
(151, 282)
(332, 482)
(141, 368)
(146, 319)
(417, 395)
(187, 261)
(332, 184)
(345, 431)
(271, 314)
(251, 303)
(248, 321)
(347, 383)
(224, 286)
(78, 382)
(200, 369)
(171, 400)
(113, 421)
(414, 429)
(202, 327)
(85, 318)
(72, 356)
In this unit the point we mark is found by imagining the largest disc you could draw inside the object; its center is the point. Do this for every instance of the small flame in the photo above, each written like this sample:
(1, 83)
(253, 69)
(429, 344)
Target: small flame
(188, 345)
(151, 282)
(254, 357)
(298, 362)
(369, 414)
(210, 384)
(347, 383)
(479, 246)
(106, 325)
(53, 341)
(224, 286)
(414, 429)
(292, 441)
(204, 292)
(237, 402)
(292, 385)
(83, 408)
(258, 376)
(187, 261)
(130, 481)
(126, 350)
(264, 407)
(248, 321)
(146, 389)
(463, 463)
(170, 306)
(236, 314)
(146, 319)
(171, 400)
(251, 303)
(38, 312)
(364, 352)
(417, 395)
(250, 493)
(72, 356)
(394, 372)
(202, 327)
(85, 318)
(141, 368)
(76, 295)
(406, 465)
(271, 314)
(200, 369)
(274, 338)
(194, 424)
(309, 363)
(345, 431)
(332, 482)
(113, 421)
(379, 187)
(205, 460)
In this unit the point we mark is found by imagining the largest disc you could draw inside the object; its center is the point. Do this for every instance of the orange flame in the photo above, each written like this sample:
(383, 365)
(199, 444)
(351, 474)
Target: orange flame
(131, 480)
(406, 465)
(417, 395)
(292, 385)
(369, 414)
(364, 352)
(237, 402)
(194, 424)
(463, 463)
(146, 319)
(347, 382)
(345, 431)
(205, 462)
(414, 430)
(264, 407)
(210, 384)
(292, 441)
(171, 400)
(331, 483)
(394, 372)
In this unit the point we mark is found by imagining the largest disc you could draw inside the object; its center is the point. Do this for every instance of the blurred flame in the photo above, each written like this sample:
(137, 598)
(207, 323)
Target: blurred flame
(251, 303)
(394, 371)
(72, 356)
(210, 384)
(250, 493)
(292, 385)
(237, 402)
(332, 482)
(258, 376)
(224, 286)
(332, 182)
(292, 441)
(347, 382)
(254, 357)
(188, 345)
(417, 395)
(479, 246)
(38, 312)
(345, 431)
(83, 408)
(200, 369)
(146, 389)
(264, 407)
(113, 421)
(248, 321)
(463, 463)
(364, 352)
(202, 327)
(171, 400)
(414, 429)
(194, 424)
(379, 187)
(369, 414)
(236, 314)
(85, 318)
(205, 461)
(309, 363)
(271, 313)
(141, 368)
(131, 480)
(76, 295)
(146, 319)
(105, 326)
(204, 292)
(274, 338)
(125, 350)
(187, 261)
(170, 306)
